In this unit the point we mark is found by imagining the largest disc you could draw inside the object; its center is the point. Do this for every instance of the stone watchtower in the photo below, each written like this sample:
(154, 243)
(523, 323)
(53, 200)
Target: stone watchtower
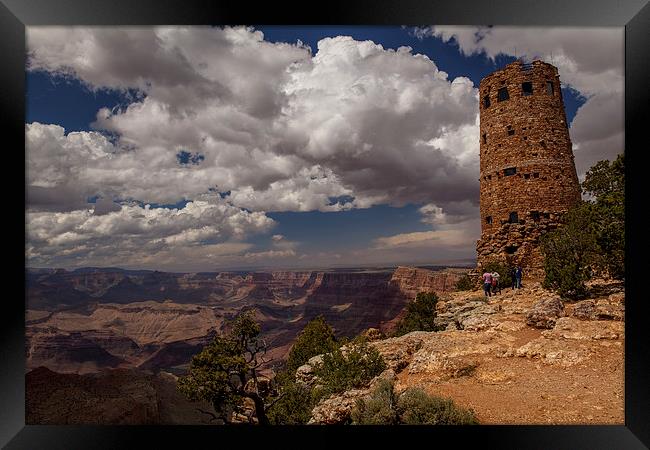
(528, 175)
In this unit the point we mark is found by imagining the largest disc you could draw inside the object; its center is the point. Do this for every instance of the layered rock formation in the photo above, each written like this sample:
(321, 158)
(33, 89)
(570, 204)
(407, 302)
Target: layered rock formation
(88, 319)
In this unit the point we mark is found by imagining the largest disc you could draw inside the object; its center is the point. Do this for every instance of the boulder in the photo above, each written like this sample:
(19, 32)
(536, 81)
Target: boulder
(607, 310)
(584, 310)
(336, 409)
(305, 373)
(397, 352)
(601, 309)
(477, 322)
(545, 312)
(574, 329)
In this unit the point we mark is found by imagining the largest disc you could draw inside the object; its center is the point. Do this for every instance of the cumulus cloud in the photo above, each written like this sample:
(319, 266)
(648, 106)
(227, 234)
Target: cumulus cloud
(141, 234)
(589, 59)
(277, 127)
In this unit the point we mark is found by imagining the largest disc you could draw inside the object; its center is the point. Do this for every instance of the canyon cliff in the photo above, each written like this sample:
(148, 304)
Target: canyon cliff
(86, 320)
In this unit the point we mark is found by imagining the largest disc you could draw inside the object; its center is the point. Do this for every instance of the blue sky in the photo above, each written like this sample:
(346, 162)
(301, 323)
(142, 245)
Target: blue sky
(312, 188)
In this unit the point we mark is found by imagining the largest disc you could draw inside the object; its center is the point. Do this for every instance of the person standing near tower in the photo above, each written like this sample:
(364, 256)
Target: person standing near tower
(518, 274)
(487, 283)
(495, 282)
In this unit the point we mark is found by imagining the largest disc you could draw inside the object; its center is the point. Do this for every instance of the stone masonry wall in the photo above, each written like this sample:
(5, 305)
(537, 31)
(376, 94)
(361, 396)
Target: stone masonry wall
(526, 162)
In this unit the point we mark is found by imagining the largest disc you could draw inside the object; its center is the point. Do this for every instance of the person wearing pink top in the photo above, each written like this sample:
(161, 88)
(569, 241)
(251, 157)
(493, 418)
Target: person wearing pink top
(487, 283)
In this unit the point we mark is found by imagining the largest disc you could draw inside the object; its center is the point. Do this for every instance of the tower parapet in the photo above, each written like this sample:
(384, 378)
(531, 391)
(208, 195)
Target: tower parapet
(528, 177)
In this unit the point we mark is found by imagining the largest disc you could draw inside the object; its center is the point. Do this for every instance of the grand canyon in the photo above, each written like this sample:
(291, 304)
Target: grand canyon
(90, 329)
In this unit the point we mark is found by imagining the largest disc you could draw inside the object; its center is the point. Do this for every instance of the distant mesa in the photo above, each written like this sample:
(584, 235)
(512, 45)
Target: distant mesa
(88, 319)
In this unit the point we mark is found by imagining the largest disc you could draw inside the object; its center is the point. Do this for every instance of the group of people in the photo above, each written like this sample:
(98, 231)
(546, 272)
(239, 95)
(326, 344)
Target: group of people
(491, 280)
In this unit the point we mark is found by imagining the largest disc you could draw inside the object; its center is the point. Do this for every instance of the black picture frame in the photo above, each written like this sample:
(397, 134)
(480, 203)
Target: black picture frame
(634, 15)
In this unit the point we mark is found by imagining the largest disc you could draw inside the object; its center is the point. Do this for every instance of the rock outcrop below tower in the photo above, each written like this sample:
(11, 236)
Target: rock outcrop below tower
(528, 177)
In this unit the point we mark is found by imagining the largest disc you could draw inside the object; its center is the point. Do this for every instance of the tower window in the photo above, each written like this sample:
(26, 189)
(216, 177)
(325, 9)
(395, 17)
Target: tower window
(534, 215)
(511, 132)
(513, 217)
(489, 177)
(546, 215)
(509, 171)
(486, 101)
(535, 174)
(527, 88)
(484, 138)
(549, 87)
(488, 219)
(527, 176)
(510, 249)
(503, 94)
(543, 144)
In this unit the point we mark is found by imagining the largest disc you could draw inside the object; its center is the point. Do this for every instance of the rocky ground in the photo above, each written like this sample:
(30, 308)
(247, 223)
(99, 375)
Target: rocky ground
(109, 397)
(521, 357)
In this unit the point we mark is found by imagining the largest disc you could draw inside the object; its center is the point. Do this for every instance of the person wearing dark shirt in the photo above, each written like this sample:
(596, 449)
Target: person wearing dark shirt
(518, 275)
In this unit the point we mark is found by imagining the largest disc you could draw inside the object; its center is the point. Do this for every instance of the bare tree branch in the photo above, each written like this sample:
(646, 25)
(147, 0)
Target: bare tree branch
(270, 405)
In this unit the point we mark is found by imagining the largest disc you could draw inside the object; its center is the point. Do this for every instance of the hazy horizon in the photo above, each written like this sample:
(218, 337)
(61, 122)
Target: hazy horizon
(341, 267)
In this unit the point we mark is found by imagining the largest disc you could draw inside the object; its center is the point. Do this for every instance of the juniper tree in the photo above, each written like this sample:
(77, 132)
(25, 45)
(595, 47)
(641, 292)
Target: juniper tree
(226, 372)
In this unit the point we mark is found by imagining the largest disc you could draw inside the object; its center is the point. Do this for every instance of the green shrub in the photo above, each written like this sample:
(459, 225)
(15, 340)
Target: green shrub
(315, 339)
(416, 407)
(220, 373)
(420, 314)
(412, 407)
(592, 238)
(293, 404)
(353, 368)
(605, 184)
(380, 409)
(465, 283)
(569, 252)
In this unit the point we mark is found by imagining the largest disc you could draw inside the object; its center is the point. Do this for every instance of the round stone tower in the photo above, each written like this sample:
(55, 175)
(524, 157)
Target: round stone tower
(528, 175)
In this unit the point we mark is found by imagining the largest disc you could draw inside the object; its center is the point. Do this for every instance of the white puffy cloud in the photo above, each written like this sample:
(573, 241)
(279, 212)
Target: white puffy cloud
(589, 59)
(140, 236)
(280, 129)
(384, 121)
